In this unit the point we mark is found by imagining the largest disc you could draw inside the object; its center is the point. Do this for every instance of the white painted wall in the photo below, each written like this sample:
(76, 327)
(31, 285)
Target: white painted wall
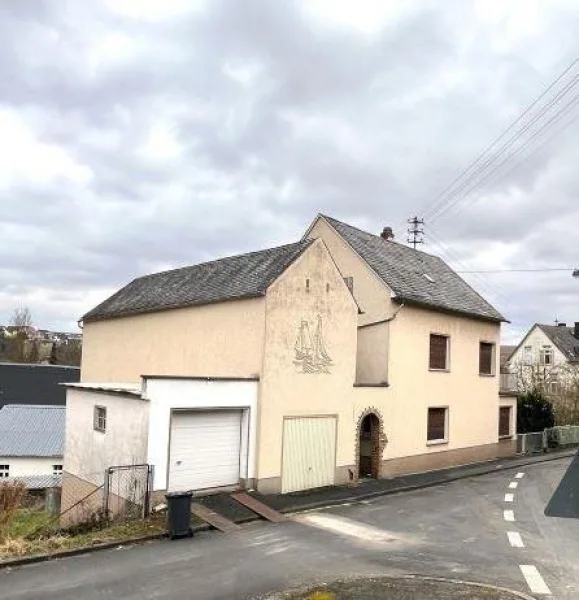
(165, 395)
(22, 466)
(536, 339)
(87, 452)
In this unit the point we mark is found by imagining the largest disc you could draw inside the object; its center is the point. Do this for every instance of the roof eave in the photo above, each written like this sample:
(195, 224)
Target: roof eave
(91, 319)
(404, 300)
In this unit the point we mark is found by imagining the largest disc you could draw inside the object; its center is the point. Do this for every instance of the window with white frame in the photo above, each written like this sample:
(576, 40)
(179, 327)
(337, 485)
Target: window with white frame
(57, 469)
(100, 418)
(4, 471)
(546, 355)
(528, 355)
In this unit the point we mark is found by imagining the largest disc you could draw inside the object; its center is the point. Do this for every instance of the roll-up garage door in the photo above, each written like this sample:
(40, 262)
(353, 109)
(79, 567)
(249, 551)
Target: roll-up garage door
(204, 450)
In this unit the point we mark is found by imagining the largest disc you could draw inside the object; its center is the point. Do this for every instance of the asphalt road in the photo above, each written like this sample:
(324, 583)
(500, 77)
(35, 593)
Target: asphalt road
(457, 530)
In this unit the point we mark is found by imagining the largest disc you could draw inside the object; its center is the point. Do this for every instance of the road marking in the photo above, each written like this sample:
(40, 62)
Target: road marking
(509, 497)
(513, 485)
(515, 539)
(509, 515)
(345, 526)
(535, 582)
(519, 475)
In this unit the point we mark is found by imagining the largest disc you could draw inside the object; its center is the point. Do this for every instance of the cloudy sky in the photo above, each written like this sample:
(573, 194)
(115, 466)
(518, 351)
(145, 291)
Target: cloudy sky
(138, 135)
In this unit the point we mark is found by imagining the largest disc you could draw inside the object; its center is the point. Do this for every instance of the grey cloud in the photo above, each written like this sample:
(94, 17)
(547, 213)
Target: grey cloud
(368, 128)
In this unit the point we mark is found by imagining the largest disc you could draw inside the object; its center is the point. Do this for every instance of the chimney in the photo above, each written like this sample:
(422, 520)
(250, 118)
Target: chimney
(387, 234)
(561, 324)
(576, 330)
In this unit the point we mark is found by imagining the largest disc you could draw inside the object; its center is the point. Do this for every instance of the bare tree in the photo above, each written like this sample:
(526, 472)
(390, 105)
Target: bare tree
(21, 317)
(20, 345)
(558, 383)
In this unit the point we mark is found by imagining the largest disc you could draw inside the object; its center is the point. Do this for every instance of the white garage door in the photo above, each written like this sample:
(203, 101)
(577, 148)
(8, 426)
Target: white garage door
(309, 453)
(205, 449)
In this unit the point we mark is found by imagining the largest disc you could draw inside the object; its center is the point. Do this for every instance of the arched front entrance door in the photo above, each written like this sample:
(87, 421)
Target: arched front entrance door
(369, 447)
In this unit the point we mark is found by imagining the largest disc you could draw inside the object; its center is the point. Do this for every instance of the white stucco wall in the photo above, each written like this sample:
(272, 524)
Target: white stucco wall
(21, 466)
(168, 394)
(87, 452)
(536, 339)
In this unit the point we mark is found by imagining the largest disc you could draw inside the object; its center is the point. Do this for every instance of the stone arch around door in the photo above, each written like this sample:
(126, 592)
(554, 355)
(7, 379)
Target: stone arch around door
(371, 418)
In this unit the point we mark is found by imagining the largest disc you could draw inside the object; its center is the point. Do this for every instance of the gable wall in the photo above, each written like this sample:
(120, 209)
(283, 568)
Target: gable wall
(536, 338)
(216, 340)
(285, 389)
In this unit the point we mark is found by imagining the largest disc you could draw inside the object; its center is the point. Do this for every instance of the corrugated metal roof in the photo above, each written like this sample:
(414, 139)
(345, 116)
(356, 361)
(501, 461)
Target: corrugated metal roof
(415, 276)
(234, 277)
(38, 482)
(28, 430)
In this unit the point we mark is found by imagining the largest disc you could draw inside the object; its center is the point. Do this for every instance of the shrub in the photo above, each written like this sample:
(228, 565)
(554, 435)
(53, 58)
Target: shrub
(11, 495)
(534, 412)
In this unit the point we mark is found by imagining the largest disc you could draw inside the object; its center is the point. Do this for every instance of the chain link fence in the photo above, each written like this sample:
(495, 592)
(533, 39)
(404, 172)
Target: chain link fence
(127, 492)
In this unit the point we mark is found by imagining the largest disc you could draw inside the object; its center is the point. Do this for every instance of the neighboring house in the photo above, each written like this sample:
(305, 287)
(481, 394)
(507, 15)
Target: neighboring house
(547, 356)
(341, 356)
(29, 383)
(31, 444)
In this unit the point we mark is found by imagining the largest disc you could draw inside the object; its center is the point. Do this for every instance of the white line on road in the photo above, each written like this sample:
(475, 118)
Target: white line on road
(535, 582)
(515, 539)
(345, 526)
(513, 485)
(509, 497)
(519, 475)
(509, 515)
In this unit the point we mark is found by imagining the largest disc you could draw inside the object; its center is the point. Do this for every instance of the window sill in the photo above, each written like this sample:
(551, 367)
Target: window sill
(436, 442)
(99, 430)
(505, 437)
(438, 370)
(487, 375)
(383, 384)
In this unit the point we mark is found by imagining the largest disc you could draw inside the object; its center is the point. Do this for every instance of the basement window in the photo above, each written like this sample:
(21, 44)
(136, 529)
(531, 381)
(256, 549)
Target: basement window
(100, 418)
(4, 471)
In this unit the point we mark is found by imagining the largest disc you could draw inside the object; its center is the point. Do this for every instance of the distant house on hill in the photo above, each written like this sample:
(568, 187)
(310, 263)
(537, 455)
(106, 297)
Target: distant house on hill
(28, 383)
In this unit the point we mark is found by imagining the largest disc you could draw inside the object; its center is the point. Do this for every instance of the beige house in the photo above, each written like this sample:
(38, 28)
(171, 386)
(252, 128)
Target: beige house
(341, 356)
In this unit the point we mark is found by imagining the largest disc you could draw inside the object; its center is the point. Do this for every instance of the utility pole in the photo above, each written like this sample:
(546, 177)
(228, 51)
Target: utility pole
(415, 233)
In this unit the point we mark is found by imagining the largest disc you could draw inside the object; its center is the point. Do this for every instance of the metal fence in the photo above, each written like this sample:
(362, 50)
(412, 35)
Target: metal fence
(127, 492)
(562, 436)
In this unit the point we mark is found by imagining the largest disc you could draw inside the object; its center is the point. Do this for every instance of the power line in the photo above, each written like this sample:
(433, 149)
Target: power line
(435, 212)
(545, 127)
(437, 204)
(525, 159)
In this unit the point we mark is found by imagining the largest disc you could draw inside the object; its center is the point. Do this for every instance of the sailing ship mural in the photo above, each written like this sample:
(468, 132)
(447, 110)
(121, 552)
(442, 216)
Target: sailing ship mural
(311, 355)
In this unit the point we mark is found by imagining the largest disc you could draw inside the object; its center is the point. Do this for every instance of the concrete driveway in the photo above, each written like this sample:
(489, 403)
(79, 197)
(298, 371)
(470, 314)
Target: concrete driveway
(471, 529)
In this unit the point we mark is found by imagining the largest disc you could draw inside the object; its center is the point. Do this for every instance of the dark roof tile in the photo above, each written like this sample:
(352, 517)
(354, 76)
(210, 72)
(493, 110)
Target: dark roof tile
(564, 339)
(234, 277)
(414, 276)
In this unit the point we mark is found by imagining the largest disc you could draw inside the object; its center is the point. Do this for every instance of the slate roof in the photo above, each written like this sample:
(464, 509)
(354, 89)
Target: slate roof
(27, 430)
(403, 269)
(243, 276)
(34, 383)
(564, 339)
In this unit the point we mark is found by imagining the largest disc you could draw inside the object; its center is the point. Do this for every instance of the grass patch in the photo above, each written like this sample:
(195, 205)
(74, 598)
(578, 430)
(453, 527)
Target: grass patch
(16, 540)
